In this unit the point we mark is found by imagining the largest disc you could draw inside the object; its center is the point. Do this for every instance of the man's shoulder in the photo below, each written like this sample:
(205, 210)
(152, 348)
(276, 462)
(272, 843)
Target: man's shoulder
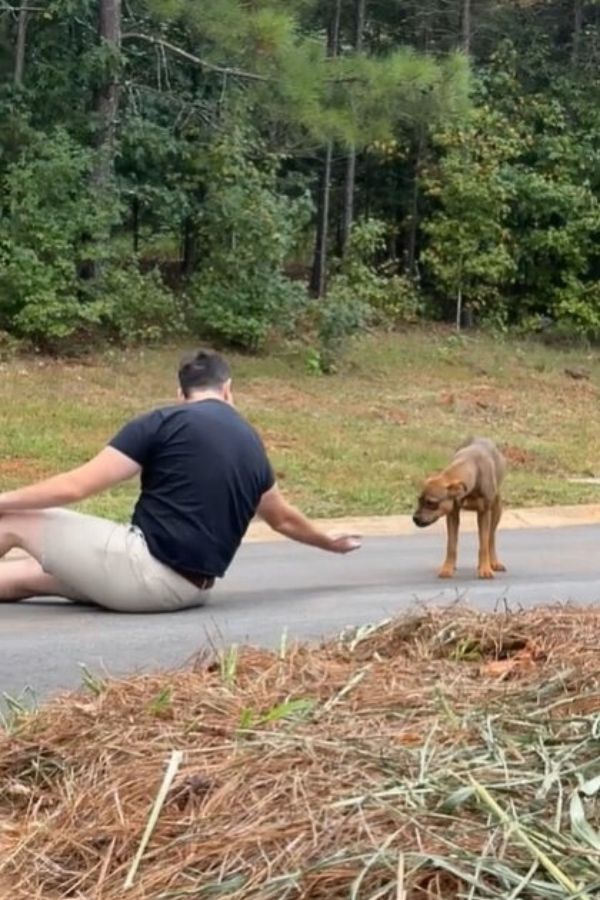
(205, 411)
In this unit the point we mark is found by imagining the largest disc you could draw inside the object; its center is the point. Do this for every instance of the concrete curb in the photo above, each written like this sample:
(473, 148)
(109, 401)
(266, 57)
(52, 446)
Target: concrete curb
(397, 526)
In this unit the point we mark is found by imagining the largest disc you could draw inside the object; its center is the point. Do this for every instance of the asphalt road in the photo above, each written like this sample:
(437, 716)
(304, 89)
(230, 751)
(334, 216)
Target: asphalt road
(274, 587)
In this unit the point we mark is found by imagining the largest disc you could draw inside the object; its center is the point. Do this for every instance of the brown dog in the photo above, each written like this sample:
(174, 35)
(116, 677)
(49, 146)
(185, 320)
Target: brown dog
(471, 481)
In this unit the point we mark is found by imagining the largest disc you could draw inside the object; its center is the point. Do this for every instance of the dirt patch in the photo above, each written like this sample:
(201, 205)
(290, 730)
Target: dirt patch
(518, 457)
(487, 398)
(260, 393)
(483, 399)
(276, 442)
(387, 415)
(22, 468)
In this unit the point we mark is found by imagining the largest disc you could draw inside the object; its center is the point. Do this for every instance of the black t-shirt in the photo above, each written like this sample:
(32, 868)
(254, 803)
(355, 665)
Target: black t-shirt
(204, 470)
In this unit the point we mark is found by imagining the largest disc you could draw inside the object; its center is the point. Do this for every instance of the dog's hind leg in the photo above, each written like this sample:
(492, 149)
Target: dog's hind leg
(452, 524)
(496, 514)
(484, 526)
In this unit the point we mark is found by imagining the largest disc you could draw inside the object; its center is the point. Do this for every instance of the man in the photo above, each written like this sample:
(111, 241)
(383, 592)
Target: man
(204, 475)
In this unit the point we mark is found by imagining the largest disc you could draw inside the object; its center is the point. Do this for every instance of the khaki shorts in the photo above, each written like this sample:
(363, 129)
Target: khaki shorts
(109, 564)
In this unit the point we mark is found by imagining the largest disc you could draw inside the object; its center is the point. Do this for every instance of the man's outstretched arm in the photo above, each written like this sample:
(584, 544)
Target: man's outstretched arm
(106, 469)
(289, 521)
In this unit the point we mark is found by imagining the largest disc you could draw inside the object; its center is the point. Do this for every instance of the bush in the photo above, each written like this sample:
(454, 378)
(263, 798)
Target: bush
(243, 311)
(341, 316)
(52, 222)
(247, 230)
(59, 279)
(138, 308)
(359, 295)
(578, 309)
(397, 302)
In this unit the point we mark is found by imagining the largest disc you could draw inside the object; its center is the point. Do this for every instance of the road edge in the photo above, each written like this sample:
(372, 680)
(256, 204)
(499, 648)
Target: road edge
(399, 526)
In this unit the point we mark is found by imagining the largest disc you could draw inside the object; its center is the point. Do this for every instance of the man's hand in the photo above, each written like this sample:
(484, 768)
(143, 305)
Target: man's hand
(289, 521)
(344, 543)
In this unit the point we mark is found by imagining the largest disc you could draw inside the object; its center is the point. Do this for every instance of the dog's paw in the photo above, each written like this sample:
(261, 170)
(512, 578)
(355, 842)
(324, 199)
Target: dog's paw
(446, 572)
(498, 567)
(485, 572)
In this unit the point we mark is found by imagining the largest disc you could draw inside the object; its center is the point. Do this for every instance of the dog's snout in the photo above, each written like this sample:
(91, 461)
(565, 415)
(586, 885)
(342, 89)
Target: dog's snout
(418, 521)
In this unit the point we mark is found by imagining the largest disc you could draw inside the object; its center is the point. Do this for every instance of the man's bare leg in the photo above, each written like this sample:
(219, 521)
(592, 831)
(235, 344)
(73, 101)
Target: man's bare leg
(22, 529)
(22, 578)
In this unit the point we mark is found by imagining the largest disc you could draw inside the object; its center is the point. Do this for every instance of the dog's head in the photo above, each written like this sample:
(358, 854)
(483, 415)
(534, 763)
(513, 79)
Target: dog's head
(437, 499)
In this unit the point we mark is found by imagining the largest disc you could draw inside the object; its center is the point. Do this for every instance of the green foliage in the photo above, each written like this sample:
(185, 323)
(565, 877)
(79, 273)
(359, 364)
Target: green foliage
(137, 308)
(352, 99)
(54, 223)
(372, 96)
(391, 299)
(161, 705)
(359, 295)
(577, 308)
(469, 251)
(515, 219)
(485, 170)
(246, 230)
(91, 682)
(51, 216)
(559, 241)
(341, 316)
(398, 302)
(291, 712)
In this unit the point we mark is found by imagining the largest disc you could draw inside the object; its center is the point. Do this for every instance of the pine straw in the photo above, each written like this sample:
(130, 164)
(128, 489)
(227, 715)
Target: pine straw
(353, 770)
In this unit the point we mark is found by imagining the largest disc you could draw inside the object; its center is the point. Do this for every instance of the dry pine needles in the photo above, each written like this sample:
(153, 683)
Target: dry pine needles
(450, 754)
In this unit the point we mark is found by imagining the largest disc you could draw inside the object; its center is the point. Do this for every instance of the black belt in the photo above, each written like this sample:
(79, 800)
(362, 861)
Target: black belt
(202, 582)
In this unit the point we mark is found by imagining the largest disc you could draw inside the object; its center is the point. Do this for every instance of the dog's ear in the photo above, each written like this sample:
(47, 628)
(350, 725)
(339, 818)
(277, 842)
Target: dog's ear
(457, 490)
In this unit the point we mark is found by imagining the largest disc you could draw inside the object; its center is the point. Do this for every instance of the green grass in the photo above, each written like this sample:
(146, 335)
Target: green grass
(358, 442)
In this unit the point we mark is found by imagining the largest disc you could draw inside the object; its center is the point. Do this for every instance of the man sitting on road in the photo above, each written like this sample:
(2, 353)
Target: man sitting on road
(204, 475)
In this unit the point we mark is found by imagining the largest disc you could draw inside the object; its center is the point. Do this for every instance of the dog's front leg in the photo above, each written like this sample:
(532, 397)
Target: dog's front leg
(497, 566)
(484, 526)
(452, 524)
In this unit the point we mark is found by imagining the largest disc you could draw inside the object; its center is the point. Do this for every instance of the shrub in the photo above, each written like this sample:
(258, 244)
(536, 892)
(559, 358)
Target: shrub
(52, 223)
(578, 309)
(247, 230)
(138, 308)
(359, 295)
(60, 280)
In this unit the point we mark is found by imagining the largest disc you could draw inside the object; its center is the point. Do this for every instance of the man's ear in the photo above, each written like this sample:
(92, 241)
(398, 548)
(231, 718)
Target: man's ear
(227, 392)
(457, 490)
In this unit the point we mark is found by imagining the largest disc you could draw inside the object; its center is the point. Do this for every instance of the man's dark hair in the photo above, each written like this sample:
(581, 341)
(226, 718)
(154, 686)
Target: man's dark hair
(205, 370)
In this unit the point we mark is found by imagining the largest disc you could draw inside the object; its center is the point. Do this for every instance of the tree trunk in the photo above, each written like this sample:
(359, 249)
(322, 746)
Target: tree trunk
(189, 250)
(107, 99)
(466, 27)
(577, 27)
(459, 299)
(135, 223)
(22, 23)
(319, 267)
(411, 256)
(318, 279)
(348, 211)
